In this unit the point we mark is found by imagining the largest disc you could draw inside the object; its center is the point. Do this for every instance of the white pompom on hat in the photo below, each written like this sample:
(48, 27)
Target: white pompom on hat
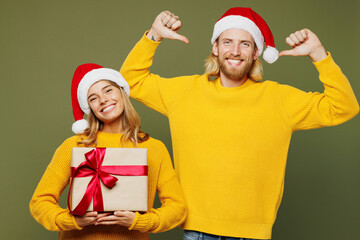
(84, 77)
(248, 20)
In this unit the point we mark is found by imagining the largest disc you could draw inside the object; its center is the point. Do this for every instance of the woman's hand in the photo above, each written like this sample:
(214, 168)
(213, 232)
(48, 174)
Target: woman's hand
(123, 218)
(89, 218)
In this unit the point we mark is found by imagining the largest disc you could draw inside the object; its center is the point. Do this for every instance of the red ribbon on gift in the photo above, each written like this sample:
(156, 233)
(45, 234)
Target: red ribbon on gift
(93, 167)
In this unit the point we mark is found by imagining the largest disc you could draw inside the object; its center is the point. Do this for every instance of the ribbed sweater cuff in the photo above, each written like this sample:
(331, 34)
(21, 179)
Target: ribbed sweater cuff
(142, 223)
(66, 221)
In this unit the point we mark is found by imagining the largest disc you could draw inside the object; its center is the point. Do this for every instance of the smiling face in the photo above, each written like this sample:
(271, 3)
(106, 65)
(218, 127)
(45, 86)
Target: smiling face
(236, 52)
(105, 100)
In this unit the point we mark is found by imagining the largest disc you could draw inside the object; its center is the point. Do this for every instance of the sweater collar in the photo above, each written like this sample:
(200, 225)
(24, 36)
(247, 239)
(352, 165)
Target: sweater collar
(220, 87)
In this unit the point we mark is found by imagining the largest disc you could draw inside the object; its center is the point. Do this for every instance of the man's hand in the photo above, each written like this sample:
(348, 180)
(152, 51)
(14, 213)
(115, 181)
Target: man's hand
(123, 218)
(305, 43)
(166, 25)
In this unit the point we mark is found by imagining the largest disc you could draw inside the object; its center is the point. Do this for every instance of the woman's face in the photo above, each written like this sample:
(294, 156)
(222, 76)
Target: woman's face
(105, 101)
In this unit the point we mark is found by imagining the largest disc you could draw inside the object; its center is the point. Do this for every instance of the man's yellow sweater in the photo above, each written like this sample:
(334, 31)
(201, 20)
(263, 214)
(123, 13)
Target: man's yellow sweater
(161, 178)
(230, 144)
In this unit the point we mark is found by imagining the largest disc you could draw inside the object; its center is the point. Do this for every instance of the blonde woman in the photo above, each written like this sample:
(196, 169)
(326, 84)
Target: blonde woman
(102, 94)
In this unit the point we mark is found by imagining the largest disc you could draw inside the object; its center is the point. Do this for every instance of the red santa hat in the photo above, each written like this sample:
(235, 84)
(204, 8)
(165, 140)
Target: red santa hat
(248, 20)
(84, 77)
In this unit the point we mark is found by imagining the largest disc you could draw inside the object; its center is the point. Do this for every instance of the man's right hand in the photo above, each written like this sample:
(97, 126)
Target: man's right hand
(166, 25)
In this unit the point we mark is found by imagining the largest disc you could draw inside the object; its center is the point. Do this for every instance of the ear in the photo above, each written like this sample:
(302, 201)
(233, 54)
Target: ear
(215, 49)
(256, 54)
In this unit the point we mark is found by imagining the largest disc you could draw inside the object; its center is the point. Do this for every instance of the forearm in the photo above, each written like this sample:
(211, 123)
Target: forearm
(339, 96)
(158, 93)
(44, 205)
(52, 216)
(308, 110)
(135, 68)
(144, 85)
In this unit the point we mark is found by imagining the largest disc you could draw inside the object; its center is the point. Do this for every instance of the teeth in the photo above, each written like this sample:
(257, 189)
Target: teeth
(234, 61)
(108, 108)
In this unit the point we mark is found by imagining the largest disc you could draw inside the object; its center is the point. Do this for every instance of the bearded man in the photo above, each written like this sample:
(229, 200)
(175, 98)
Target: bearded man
(231, 135)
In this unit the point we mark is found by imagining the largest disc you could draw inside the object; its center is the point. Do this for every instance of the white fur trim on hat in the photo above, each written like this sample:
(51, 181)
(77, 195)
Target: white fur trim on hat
(271, 54)
(94, 76)
(239, 22)
(79, 126)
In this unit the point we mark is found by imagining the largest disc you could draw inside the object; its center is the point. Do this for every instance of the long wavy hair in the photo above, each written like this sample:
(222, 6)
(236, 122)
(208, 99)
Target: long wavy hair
(212, 68)
(130, 121)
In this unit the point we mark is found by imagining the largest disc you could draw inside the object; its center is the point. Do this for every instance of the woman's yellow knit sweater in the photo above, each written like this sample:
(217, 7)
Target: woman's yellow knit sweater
(161, 178)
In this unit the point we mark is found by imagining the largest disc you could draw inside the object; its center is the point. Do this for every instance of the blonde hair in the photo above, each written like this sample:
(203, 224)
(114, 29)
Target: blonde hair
(212, 68)
(130, 121)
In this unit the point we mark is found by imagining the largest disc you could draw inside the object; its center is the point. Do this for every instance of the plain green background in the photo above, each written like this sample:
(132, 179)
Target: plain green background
(42, 42)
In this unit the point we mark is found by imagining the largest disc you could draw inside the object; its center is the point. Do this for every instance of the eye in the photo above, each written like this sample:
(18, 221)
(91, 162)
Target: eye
(108, 90)
(92, 99)
(246, 44)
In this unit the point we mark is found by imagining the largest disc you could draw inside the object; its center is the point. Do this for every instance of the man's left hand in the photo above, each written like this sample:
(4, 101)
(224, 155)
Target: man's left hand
(305, 43)
(123, 218)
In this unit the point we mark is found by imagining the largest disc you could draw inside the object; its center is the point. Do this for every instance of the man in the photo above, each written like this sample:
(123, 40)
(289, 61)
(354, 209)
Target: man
(231, 135)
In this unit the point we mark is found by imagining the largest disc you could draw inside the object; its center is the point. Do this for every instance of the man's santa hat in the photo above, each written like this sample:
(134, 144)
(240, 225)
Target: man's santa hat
(84, 77)
(248, 20)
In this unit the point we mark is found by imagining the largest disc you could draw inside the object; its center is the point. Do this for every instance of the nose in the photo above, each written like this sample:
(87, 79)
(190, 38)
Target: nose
(235, 50)
(103, 99)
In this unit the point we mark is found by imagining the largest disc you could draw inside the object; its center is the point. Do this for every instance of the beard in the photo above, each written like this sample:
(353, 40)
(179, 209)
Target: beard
(232, 72)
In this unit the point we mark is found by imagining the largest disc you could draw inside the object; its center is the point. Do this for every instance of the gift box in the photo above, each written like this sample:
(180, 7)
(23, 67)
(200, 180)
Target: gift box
(108, 179)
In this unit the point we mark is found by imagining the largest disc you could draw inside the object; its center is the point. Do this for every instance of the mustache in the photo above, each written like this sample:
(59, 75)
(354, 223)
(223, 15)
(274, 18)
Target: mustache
(235, 57)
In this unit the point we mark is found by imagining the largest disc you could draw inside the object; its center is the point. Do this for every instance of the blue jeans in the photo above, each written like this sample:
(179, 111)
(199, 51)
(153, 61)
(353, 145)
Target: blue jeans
(194, 235)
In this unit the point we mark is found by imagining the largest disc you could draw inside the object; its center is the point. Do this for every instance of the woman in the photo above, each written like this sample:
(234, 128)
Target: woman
(102, 94)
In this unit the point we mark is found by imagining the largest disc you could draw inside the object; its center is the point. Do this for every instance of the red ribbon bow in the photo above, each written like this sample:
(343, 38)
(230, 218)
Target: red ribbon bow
(93, 167)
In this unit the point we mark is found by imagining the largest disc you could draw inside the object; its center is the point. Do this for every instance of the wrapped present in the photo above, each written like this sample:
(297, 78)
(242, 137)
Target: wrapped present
(108, 179)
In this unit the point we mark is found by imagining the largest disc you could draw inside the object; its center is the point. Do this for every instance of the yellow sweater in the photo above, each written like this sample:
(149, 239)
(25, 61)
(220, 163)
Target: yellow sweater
(161, 178)
(230, 144)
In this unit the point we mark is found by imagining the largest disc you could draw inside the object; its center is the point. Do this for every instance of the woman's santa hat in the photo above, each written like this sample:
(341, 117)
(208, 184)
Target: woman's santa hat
(84, 77)
(248, 20)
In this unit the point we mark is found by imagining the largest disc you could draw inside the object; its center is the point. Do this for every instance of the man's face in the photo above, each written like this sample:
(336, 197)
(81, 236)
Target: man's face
(236, 53)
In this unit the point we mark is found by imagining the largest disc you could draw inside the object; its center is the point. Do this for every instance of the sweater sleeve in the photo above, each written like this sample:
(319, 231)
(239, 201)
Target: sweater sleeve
(156, 92)
(44, 205)
(173, 208)
(309, 110)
